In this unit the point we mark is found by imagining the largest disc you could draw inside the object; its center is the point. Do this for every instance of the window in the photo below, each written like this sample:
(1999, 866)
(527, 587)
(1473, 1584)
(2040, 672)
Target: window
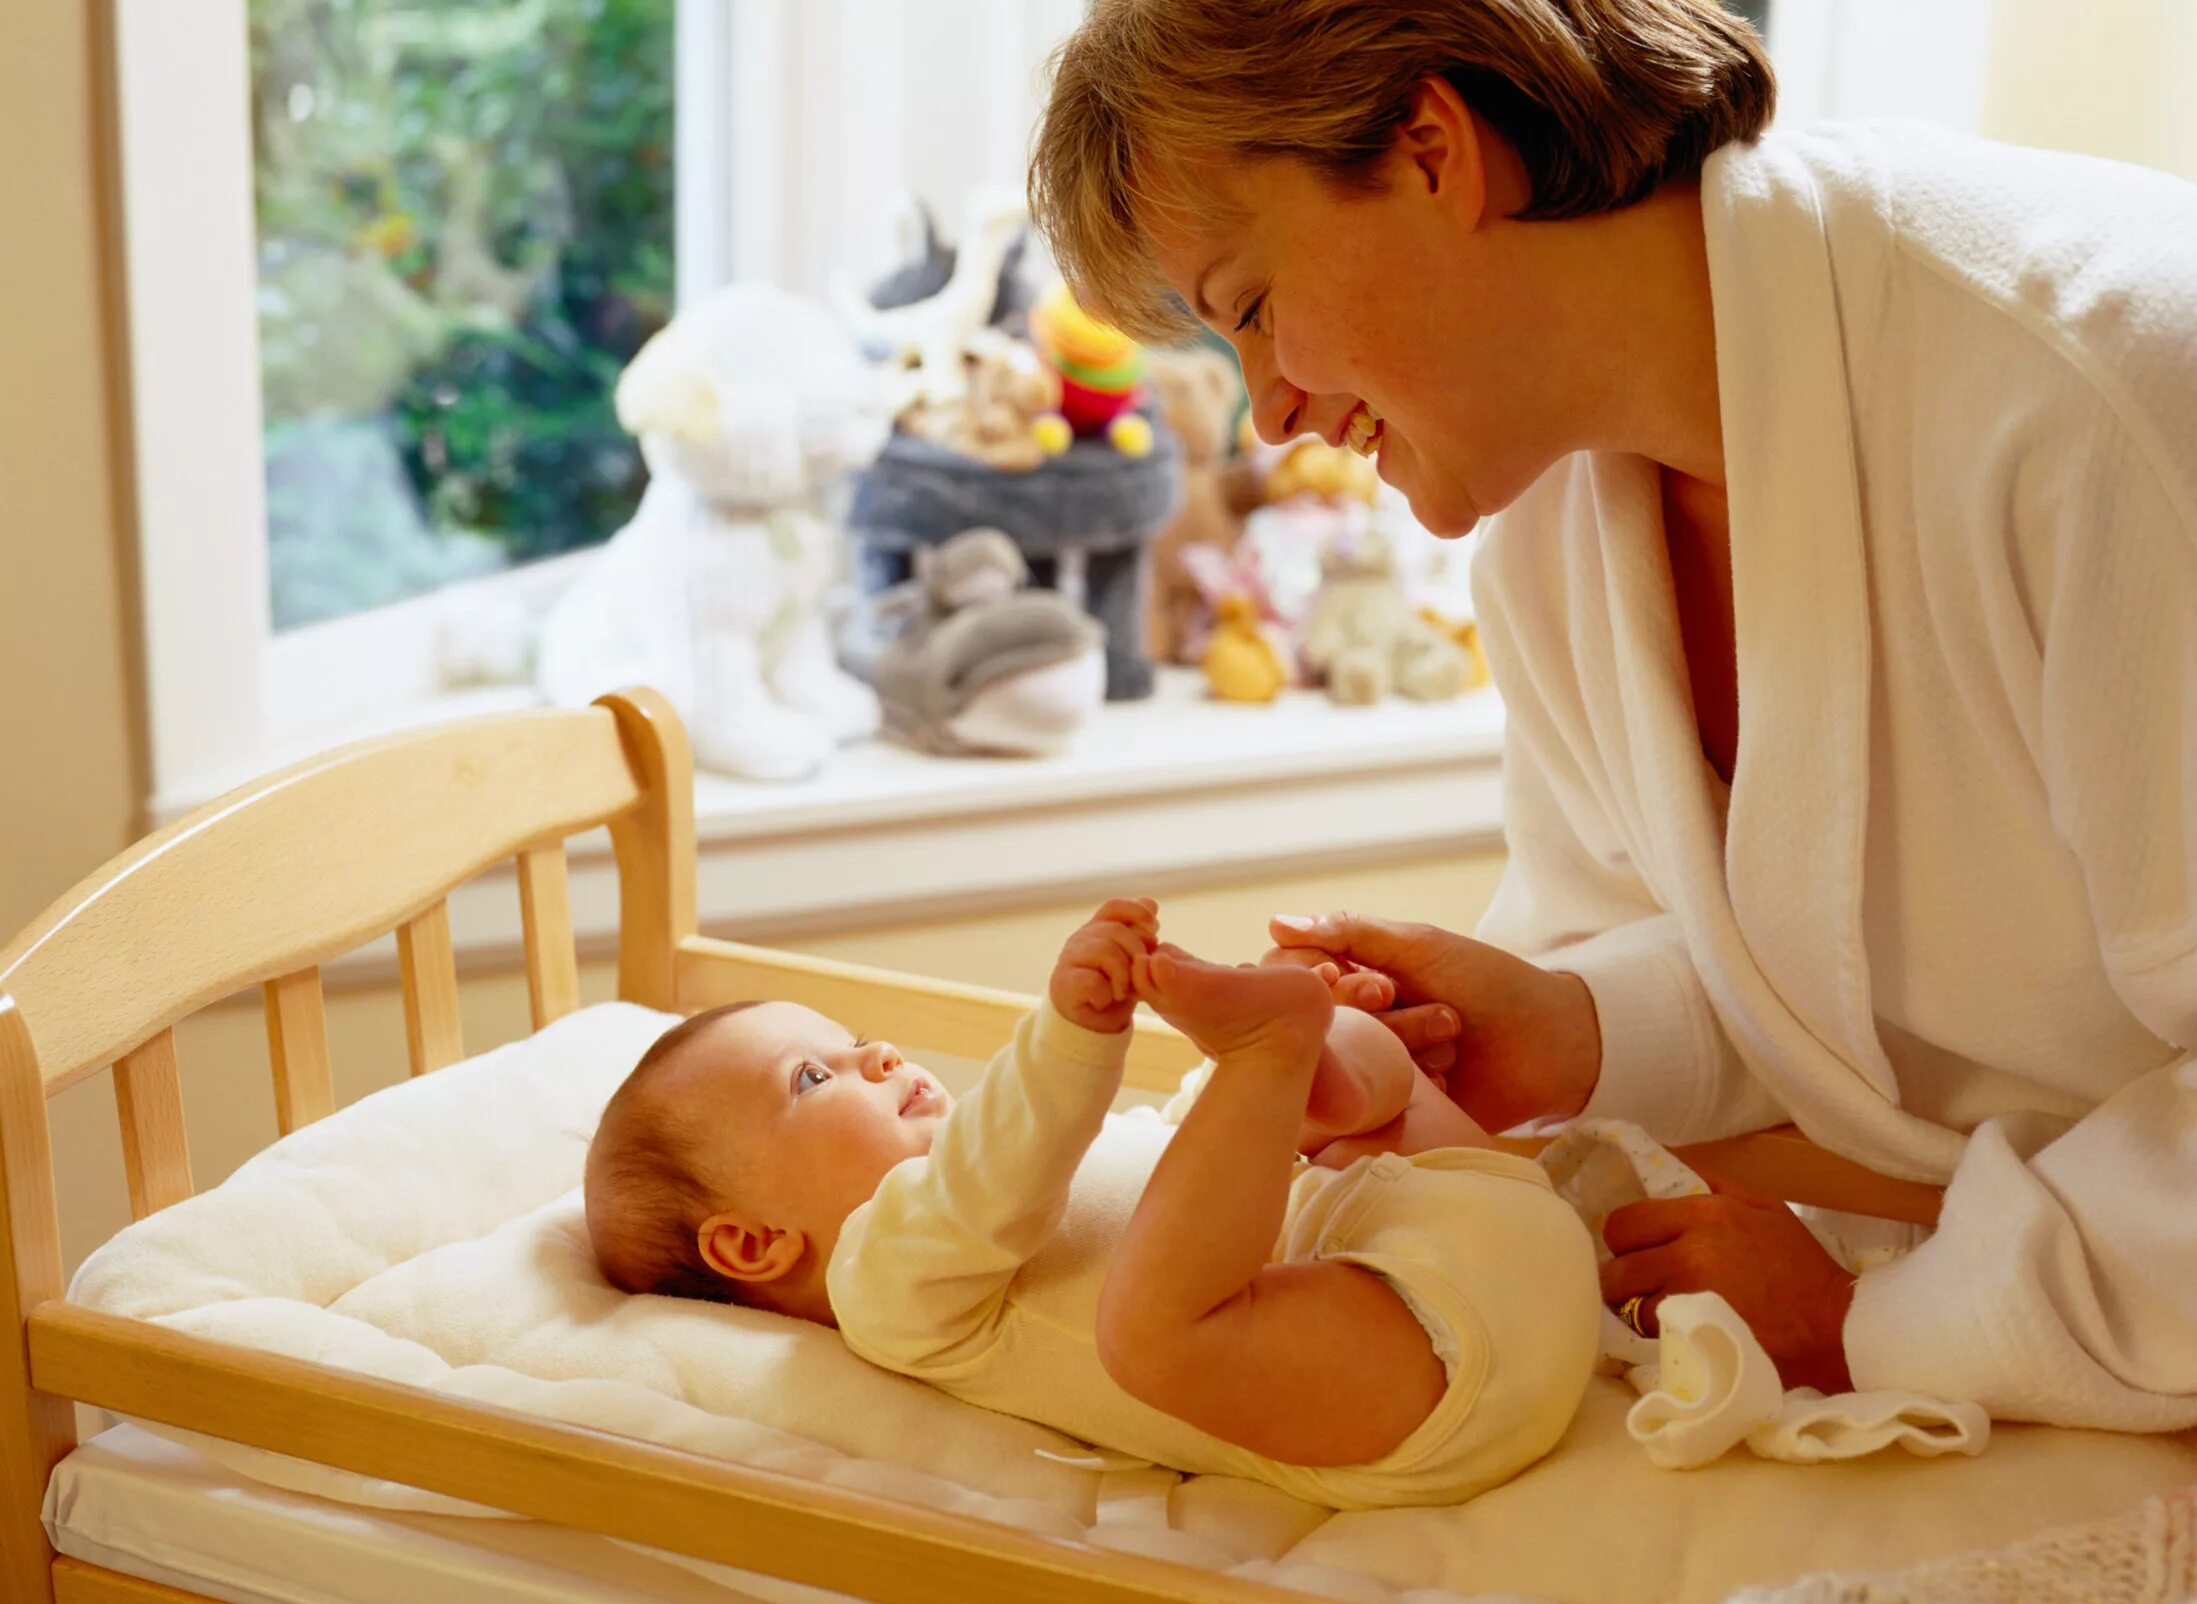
(797, 125)
(415, 212)
(464, 231)
(444, 192)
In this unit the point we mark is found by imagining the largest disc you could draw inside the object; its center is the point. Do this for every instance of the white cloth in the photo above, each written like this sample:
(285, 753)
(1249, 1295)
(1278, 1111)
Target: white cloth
(1946, 919)
(978, 1268)
(1705, 1382)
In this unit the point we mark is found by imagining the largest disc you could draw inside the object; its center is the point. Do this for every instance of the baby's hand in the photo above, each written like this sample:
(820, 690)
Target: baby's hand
(1092, 984)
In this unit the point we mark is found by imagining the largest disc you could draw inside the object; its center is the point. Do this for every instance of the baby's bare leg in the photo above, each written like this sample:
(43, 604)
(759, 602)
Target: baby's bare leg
(1315, 1363)
(1429, 1120)
(1211, 1212)
(1364, 1081)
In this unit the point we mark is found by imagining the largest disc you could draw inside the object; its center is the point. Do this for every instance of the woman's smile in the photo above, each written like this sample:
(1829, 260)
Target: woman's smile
(1364, 430)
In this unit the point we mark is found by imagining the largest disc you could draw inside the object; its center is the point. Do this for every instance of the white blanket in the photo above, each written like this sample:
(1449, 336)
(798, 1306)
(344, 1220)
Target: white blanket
(430, 1234)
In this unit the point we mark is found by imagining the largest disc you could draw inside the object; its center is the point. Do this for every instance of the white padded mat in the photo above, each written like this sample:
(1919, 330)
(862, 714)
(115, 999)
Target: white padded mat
(149, 1508)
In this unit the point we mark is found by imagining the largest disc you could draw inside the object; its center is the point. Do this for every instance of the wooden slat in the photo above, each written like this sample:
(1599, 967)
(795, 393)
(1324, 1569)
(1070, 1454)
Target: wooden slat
(36, 1430)
(75, 1582)
(545, 909)
(805, 1531)
(297, 1049)
(654, 843)
(156, 1152)
(914, 1010)
(430, 971)
(295, 868)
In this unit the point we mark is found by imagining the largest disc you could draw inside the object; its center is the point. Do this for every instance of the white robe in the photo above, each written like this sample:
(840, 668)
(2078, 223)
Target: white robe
(1946, 918)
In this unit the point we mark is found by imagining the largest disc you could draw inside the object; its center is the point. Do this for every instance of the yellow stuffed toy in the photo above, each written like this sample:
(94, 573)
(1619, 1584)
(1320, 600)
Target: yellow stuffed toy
(1241, 664)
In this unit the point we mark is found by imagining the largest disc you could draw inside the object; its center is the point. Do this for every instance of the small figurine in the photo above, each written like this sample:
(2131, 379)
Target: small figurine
(1220, 576)
(1008, 413)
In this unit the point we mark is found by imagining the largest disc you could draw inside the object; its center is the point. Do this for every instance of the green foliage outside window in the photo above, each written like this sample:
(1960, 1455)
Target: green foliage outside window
(465, 223)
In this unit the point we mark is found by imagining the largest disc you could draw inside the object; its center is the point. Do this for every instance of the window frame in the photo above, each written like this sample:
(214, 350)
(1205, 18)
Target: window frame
(224, 690)
(772, 189)
(768, 191)
(799, 124)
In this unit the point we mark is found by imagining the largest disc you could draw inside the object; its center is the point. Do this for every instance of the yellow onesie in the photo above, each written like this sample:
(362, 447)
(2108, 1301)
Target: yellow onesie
(978, 1269)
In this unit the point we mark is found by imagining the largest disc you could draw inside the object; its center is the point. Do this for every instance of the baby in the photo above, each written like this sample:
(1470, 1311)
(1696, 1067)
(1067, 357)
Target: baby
(1410, 1318)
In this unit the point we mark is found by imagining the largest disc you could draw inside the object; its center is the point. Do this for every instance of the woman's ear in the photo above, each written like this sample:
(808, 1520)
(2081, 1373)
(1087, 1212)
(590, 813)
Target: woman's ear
(741, 1249)
(1439, 143)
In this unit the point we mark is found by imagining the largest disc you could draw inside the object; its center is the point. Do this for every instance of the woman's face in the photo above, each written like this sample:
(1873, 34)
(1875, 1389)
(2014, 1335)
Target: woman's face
(1409, 300)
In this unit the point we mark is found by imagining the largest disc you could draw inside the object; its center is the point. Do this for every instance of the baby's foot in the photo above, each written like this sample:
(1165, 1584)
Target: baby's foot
(1236, 1011)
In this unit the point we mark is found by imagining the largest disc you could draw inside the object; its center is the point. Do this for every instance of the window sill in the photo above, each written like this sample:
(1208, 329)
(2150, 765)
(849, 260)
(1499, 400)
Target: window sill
(1171, 792)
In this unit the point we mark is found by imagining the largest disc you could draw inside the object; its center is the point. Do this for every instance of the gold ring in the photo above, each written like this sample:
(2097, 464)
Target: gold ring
(1629, 1312)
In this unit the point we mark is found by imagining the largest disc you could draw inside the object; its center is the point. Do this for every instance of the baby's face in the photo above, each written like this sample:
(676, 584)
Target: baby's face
(806, 1116)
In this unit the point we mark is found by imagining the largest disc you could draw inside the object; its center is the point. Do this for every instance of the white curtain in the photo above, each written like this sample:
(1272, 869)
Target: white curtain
(840, 107)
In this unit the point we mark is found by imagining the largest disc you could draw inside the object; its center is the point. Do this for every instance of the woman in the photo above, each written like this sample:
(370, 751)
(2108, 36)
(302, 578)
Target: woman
(1884, 437)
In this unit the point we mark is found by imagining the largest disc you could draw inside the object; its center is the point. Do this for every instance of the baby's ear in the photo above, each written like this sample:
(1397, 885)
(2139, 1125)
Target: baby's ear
(740, 1249)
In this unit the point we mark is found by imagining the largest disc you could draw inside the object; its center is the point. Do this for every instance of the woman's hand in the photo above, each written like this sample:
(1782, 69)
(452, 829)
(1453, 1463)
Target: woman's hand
(1768, 1266)
(1513, 1042)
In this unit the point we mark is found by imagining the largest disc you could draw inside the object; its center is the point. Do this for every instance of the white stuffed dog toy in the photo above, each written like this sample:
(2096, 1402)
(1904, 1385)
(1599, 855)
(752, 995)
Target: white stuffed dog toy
(748, 405)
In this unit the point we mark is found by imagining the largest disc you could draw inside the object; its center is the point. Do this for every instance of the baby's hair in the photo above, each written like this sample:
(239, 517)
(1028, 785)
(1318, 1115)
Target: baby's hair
(645, 1200)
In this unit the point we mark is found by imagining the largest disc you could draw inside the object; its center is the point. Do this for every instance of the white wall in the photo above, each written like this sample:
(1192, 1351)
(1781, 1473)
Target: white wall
(2106, 77)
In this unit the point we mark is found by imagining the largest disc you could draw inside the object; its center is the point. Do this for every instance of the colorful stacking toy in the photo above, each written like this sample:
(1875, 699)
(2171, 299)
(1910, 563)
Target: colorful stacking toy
(1101, 372)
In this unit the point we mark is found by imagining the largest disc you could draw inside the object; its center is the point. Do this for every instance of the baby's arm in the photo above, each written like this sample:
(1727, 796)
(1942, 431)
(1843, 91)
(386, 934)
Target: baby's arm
(1309, 1363)
(921, 1271)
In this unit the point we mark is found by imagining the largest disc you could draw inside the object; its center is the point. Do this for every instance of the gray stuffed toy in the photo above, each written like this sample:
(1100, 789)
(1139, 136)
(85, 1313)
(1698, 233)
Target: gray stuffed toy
(1081, 522)
(982, 665)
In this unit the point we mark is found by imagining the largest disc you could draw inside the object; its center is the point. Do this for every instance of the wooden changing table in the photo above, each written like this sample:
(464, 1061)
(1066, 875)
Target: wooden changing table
(263, 886)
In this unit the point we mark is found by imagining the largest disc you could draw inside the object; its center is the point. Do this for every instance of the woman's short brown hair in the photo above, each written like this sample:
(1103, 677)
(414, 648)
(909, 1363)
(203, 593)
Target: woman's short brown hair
(1602, 99)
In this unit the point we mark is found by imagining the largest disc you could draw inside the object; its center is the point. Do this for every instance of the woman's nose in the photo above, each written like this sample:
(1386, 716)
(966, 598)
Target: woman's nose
(1277, 406)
